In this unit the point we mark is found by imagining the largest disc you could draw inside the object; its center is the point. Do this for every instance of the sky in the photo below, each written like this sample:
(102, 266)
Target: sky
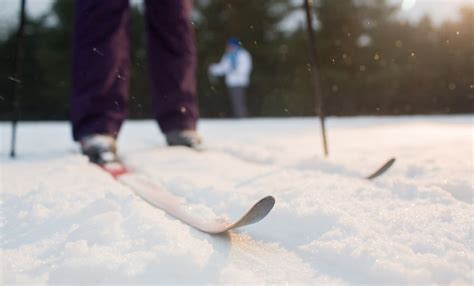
(439, 10)
(413, 10)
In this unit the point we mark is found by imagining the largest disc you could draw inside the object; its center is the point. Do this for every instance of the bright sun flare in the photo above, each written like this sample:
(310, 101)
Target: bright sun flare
(408, 4)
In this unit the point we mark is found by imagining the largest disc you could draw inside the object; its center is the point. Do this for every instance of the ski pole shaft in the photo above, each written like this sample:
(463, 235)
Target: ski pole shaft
(315, 72)
(18, 75)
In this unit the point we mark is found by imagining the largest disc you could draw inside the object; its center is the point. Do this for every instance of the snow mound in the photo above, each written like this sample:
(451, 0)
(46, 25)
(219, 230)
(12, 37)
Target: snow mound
(64, 220)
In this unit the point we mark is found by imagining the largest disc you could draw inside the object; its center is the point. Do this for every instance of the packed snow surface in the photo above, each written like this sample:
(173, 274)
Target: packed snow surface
(64, 220)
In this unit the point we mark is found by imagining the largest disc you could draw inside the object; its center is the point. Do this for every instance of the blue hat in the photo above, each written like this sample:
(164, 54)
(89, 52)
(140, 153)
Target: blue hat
(233, 42)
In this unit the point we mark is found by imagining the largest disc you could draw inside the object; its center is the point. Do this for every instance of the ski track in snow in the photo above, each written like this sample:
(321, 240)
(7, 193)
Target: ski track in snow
(63, 220)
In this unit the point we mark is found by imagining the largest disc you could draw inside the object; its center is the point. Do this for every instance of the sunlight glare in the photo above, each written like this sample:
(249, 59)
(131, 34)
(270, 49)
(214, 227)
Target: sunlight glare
(408, 4)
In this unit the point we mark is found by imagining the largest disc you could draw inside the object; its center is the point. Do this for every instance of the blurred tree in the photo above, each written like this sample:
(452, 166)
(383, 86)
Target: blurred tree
(455, 81)
(45, 67)
(341, 26)
(371, 63)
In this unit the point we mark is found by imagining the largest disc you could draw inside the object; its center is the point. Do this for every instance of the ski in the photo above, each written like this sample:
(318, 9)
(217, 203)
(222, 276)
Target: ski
(175, 206)
(381, 170)
(157, 196)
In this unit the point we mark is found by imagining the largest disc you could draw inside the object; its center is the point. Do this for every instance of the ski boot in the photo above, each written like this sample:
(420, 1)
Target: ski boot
(188, 138)
(101, 150)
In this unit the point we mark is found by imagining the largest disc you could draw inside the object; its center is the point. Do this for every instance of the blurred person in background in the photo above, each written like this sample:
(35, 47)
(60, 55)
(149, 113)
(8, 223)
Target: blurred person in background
(100, 73)
(236, 66)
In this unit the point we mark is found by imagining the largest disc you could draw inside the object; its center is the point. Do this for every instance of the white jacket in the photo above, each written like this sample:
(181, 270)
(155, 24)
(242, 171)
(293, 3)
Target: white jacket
(238, 77)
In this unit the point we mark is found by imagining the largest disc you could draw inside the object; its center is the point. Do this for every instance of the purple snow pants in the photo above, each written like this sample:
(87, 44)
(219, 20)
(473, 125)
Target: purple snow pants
(100, 71)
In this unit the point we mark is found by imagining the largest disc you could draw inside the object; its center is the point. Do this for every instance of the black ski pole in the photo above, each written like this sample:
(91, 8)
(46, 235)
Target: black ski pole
(17, 78)
(315, 71)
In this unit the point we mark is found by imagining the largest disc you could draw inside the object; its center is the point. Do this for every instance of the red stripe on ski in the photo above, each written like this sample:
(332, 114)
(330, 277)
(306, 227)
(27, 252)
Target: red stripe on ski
(115, 169)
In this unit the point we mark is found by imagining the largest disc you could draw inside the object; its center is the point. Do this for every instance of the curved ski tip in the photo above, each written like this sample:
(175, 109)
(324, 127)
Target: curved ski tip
(267, 203)
(382, 169)
(255, 214)
(390, 162)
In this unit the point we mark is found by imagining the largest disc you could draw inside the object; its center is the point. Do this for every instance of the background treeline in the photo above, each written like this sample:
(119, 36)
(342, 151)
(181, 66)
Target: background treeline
(371, 63)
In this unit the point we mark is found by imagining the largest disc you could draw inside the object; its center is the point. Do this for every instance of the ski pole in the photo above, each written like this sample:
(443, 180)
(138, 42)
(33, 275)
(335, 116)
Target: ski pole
(18, 75)
(315, 72)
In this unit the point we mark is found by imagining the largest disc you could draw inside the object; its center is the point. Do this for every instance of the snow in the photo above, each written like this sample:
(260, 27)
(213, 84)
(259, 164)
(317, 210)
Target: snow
(63, 220)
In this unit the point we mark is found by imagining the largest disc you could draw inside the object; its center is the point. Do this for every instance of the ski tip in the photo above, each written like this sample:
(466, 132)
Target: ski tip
(269, 201)
(265, 205)
(391, 161)
(255, 214)
(382, 169)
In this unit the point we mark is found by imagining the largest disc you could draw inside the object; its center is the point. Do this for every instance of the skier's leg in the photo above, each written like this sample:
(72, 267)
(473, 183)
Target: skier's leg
(243, 101)
(100, 67)
(172, 58)
(237, 96)
(233, 101)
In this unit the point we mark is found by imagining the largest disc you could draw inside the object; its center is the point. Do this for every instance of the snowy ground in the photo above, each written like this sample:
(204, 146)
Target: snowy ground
(63, 220)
